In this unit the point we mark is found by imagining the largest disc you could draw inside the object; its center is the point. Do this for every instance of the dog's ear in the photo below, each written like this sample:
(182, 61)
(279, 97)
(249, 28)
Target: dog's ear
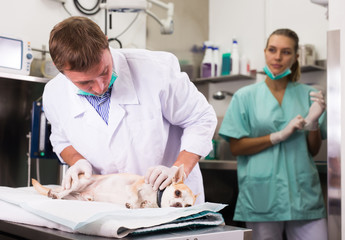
(180, 176)
(195, 197)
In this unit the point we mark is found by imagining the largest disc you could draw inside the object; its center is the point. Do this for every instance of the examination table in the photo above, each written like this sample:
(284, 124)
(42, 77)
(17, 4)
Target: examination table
(11, 231)
(25, 214)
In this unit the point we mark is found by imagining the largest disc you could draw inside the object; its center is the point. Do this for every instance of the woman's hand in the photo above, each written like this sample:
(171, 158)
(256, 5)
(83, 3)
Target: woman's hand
(295, 124)
(315, 111)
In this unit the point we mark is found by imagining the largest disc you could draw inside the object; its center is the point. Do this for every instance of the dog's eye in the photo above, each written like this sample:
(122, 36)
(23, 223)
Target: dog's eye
(178, 193)
(188, 205)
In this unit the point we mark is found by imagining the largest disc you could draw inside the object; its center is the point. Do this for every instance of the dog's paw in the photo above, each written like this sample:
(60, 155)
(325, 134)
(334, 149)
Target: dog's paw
(148, 204)
(128, 205)
(144, 204)
(51, 194)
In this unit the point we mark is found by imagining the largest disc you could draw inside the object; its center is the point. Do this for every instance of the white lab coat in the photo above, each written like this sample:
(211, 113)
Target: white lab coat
(155, 112)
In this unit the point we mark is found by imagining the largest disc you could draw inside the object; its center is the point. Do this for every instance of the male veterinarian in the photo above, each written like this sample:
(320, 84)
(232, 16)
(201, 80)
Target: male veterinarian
(124, 110)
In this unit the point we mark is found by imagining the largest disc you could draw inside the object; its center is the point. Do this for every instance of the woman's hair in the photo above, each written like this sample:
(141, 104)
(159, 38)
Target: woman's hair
(77, 44)
(295, 68)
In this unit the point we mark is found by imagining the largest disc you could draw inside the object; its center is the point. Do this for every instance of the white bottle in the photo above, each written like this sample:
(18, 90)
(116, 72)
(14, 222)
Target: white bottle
(235, 58)
(244, 66)
(207, 66)
(216, 60)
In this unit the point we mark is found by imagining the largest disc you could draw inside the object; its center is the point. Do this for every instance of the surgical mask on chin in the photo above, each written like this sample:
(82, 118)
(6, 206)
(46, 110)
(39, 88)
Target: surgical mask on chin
(113, 78)
(276, 77)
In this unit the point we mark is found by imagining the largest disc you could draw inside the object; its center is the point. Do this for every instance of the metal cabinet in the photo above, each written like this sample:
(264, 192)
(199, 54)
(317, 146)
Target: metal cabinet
(17, 93)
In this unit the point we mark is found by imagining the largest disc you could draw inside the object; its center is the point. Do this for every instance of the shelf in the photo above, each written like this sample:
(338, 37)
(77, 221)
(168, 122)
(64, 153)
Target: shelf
(224, 79)
(312, 68)
(23, 77)
(218, 164)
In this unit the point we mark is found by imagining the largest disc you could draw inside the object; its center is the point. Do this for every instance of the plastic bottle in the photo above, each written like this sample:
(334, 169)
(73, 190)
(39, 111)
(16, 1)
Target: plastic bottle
(207, 69)
(235, 58)
(216, 60)
(213, 154)
(244, 66)
(226, 64)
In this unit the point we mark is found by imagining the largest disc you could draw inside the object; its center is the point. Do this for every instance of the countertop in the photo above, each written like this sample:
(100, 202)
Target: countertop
(218, 164)
(232, 165)
(23, 77)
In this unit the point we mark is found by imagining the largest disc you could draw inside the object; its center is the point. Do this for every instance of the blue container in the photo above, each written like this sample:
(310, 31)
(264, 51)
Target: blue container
(226, 64)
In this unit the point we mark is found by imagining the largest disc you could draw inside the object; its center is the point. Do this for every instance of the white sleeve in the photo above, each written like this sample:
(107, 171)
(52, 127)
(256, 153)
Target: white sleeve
(57, 138)
(185, 106)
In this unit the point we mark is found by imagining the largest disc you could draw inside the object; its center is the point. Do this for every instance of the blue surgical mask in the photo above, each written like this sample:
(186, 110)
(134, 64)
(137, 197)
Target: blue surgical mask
(113, 78)
(276, 77)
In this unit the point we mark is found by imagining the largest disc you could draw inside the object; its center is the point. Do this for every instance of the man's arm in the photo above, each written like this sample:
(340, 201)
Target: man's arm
(78, 164)
(70, 155)
(188, 159)
(161, 176)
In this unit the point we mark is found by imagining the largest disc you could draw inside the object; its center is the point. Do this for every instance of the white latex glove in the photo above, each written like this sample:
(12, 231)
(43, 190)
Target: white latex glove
(295, 124)
(82, 166)
(160, 176)
(315, 111)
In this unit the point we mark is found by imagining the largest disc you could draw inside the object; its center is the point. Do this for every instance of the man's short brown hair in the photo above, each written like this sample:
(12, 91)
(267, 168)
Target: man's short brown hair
(77, 44)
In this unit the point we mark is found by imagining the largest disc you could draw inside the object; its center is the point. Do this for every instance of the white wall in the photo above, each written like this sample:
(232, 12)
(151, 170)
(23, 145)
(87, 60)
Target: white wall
(243, 20)
(251, 22)
(33, 20)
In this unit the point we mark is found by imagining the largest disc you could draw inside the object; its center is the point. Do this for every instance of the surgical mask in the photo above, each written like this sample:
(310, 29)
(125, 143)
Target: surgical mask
(276, 77)
(113, 78)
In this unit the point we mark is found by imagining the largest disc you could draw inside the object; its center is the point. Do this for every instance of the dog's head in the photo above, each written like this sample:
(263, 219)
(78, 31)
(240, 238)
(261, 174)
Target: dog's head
(178, 194)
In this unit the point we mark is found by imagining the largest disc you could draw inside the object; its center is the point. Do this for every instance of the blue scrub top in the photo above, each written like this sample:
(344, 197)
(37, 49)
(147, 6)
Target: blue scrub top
(279, 183)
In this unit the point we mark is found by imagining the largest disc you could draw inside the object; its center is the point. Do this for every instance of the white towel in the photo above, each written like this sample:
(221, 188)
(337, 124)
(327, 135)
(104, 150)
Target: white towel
(95, 218)
(14, 213)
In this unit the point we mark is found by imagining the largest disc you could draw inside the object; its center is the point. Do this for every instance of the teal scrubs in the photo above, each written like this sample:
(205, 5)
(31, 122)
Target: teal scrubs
(280, 183)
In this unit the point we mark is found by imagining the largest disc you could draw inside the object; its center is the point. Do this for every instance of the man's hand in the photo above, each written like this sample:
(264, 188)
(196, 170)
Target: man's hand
(160, 176)
(295, 124)
(82, 166)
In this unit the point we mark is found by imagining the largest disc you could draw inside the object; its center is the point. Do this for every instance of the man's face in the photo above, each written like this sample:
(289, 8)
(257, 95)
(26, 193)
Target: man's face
(96, 80)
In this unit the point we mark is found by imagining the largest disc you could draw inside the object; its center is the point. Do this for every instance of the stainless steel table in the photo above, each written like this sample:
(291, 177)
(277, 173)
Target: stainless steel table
(11, 231)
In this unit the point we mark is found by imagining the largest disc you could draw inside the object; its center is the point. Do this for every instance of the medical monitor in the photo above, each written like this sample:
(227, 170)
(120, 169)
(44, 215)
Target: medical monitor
(15, 55)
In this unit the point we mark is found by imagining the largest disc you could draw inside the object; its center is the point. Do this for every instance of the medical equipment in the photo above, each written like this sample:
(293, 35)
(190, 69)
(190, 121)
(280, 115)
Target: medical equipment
(220, 95)
(39, 143)
(40, 132)
(320, 2)
(43, 66)
(87, 11)
(15, 55)
(268, 72)
(167, 25)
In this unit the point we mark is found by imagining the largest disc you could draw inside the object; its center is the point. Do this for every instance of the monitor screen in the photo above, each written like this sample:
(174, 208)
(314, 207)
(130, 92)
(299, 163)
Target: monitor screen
(11, 51)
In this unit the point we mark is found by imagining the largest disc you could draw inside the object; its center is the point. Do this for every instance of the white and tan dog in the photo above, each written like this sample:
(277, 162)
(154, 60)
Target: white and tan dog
(126, 189)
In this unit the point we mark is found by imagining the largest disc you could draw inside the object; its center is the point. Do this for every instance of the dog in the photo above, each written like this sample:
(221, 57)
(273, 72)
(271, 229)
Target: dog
(125, 189)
